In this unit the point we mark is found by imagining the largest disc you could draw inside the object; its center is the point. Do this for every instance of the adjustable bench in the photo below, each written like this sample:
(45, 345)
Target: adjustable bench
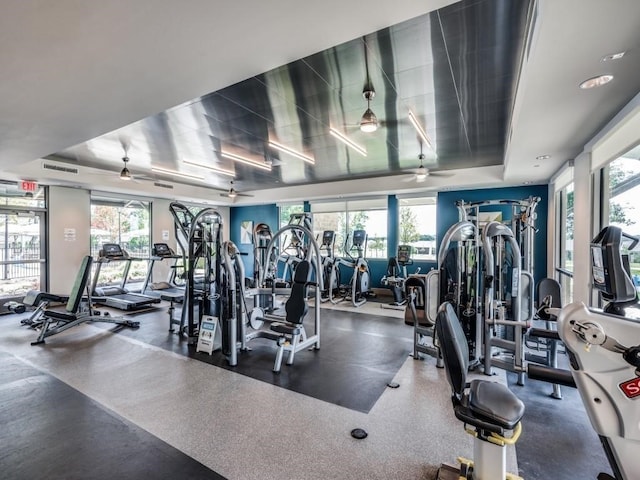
(57, 321)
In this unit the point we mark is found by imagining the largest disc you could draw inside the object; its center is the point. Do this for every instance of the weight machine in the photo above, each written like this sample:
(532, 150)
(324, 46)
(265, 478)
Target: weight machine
(287, 330)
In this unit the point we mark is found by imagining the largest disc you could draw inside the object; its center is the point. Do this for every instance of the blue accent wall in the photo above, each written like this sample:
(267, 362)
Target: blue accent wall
(447, 215)
(257, 214)
(393, 220)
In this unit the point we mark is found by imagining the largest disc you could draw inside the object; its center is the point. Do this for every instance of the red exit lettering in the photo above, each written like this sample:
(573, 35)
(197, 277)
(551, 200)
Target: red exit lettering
(28, 186)
(631, 388)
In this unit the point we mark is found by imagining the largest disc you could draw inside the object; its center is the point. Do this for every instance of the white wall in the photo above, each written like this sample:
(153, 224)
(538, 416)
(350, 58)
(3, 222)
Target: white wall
(69, 235)
(162, 231)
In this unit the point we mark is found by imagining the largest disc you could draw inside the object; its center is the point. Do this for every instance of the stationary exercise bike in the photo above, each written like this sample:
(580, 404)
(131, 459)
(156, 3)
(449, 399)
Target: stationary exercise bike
(604, 353)
(397, 275)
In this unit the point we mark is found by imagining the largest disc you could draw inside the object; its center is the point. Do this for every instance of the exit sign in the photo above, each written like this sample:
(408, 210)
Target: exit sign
(28, 186)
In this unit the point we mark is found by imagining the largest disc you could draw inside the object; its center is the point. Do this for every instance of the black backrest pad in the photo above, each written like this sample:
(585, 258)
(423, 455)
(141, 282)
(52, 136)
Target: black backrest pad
(296, 306)
(453, 346)
(79, 285)
(549, 288)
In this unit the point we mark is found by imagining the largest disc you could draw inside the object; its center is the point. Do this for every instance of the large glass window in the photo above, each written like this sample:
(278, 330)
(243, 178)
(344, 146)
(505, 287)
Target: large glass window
(345, 217)
(417, 226)
(127, 223)
(622, 184)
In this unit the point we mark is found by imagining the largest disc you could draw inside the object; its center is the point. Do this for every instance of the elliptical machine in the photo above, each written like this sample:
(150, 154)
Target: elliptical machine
(359, 286)
(330, 269)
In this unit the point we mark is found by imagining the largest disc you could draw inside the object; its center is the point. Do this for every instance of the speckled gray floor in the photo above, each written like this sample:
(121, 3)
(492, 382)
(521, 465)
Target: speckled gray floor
(247, 429)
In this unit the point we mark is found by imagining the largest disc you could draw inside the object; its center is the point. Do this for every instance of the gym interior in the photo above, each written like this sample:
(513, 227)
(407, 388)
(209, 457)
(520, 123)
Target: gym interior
(382, 240)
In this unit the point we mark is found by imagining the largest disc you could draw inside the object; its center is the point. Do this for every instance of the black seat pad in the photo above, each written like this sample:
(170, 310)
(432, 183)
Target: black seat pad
(296, 306)
(286, 329)
(496, 403)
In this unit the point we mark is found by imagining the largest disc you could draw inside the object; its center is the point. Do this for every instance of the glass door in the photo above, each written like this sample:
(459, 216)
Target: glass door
(22, 254)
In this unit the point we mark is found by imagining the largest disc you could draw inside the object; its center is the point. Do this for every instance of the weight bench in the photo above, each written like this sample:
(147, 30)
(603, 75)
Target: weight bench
(57, 321)
(40, 300)
(488, 409)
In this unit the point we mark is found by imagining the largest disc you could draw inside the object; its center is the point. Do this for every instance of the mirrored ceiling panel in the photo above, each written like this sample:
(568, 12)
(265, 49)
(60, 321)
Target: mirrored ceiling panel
(455, 69)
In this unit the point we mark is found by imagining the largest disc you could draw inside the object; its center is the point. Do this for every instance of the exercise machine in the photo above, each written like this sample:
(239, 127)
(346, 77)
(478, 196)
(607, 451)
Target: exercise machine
(162, 252)
(288, 330)
(118, 296)
(488, 409)
(603, 346)
(397, 275)
(456, 280)
(262, 235)
(508, 301)
(358, 288)
(330, 267)
(78, 310)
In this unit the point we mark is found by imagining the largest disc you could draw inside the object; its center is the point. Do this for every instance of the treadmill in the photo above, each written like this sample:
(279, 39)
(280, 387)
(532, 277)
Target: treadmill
(164, 290)
(118, 296)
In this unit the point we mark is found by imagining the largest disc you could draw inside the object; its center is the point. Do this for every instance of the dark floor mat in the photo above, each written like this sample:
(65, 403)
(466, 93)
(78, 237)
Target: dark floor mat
(50, 430)
(557, 438)
(359, 355)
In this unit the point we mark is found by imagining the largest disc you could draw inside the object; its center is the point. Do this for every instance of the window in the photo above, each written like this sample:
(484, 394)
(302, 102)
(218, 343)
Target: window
(564, 201)
(417, 226)
(127, 223)
(345, 217)
(286, 210)
(622, 187)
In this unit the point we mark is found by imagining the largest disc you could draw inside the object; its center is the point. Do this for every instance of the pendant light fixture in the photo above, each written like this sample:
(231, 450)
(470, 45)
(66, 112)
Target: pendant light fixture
(369, 121)
(125, 174)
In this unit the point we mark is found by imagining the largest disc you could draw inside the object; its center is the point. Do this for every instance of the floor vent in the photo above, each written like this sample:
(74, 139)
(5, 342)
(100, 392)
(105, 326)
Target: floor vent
(60, 168)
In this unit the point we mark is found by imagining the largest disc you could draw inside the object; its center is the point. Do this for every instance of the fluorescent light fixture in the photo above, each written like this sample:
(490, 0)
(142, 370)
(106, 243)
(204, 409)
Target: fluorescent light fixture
(423, 135)
(290, 151)
(347, 142)
(543, 157)
(221, 171)
(596, 81)
(247, 161)
(176, 174)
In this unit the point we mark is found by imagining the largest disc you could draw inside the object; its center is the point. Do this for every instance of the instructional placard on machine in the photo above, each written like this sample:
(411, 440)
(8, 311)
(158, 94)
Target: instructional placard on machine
(207, 334)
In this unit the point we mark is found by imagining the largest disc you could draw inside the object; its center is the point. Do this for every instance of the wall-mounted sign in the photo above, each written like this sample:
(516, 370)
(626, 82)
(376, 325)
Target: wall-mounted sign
(69, 234)
(28, 186)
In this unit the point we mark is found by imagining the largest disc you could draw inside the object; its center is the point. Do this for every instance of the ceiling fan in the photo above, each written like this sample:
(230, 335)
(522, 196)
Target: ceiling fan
(421, 173)
(232, 193)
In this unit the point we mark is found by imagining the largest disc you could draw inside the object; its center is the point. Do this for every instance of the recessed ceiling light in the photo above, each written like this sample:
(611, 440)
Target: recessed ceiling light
(596, 81)
(613, 56)
(543, 157)
(526, 183)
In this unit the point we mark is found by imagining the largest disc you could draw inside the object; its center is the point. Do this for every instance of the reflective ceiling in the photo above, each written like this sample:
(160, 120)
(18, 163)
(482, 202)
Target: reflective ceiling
(456, 69)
